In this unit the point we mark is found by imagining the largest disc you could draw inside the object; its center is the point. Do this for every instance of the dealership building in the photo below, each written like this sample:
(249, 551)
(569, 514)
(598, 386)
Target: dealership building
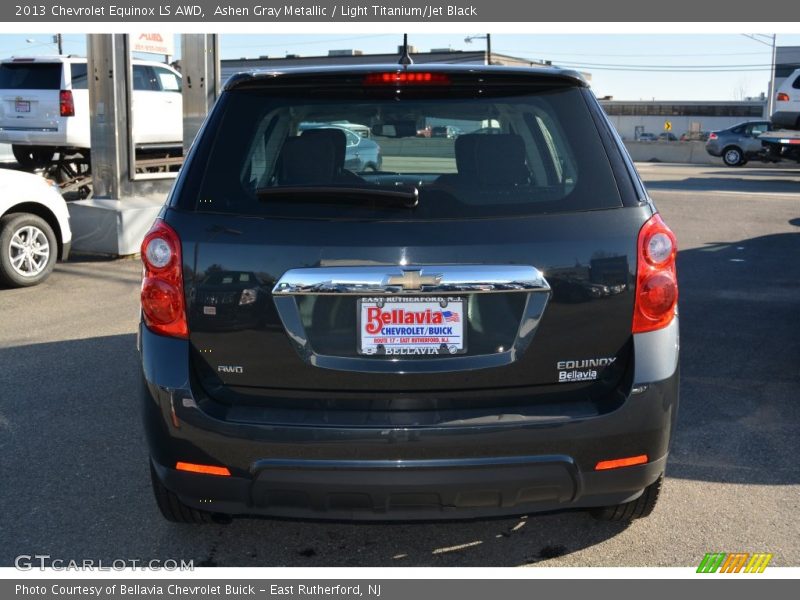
(632, 118)
(357, 57)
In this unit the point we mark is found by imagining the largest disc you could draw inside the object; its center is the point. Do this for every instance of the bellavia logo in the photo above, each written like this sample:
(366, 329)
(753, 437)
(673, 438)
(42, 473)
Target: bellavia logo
(720, 562)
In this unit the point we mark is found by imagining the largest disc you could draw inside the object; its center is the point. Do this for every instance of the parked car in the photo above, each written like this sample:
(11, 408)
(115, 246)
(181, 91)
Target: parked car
(787, 103)
(667, 136)
(737, 144)
(647, 137)
(695, 136)
(416, 359)
(34, 228)
(44, 107)
(450, 132)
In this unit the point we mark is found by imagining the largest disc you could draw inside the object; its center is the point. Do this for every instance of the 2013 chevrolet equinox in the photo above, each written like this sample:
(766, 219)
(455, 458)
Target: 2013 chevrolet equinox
(487, 325)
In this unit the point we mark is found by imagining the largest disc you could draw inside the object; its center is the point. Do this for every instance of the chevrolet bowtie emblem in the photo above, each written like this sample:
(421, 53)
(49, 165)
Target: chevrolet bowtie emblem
(414, 280)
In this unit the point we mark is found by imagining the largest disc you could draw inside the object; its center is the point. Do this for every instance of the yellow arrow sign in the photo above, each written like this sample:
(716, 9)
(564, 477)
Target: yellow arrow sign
(667, 125)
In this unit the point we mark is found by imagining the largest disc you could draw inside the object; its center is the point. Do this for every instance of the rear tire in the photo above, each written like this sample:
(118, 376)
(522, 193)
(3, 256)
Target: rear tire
(635, 509)
(33, 157)
(733, 156)
(28, 250)
(171, 507)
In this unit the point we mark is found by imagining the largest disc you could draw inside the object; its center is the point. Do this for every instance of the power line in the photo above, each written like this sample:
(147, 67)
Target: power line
(628, 54)
(294, 43)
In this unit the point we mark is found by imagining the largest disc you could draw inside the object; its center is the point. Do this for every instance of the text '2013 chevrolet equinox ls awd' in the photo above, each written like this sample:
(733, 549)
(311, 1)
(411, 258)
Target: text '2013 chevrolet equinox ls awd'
(481, 325)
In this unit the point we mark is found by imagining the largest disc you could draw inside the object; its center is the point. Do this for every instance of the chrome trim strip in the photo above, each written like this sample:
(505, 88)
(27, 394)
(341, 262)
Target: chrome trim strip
(374, 281)
(414, 280)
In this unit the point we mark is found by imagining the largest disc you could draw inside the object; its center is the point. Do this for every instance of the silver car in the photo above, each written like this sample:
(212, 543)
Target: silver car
(737, 144)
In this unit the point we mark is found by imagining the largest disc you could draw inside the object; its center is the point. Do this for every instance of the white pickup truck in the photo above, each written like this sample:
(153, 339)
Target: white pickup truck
(44, 107)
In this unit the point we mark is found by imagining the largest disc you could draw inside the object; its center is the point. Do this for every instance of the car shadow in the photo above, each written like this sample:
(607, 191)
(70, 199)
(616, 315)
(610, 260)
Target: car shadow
(739, 418)
(727, 184)
(755, 170)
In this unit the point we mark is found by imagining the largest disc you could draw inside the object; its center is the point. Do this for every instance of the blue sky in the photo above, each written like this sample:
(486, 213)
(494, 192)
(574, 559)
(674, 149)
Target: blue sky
(628, 67)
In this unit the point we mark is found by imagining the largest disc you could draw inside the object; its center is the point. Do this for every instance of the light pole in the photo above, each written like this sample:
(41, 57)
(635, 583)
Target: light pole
(57, 40)
(768, 40)
(488, 38)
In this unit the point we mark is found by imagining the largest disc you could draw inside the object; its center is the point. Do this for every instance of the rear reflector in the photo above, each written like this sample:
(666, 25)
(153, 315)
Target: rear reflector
(617, 463)
(204, 469)
(782, 97)
(66, 103)
(406, 78)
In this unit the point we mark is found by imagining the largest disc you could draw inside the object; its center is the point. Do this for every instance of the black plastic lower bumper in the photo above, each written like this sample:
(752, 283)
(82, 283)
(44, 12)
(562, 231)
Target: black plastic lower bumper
(401, 472)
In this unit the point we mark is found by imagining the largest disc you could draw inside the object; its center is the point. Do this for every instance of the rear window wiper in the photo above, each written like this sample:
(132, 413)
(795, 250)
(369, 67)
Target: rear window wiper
(402, 196)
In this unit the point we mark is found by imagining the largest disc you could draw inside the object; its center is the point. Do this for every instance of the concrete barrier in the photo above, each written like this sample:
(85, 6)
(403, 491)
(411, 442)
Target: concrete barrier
(672, 152)
(669, 152)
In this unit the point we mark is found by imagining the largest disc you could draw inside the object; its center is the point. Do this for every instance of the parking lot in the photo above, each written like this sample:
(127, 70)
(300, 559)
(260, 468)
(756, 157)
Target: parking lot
(74, 461)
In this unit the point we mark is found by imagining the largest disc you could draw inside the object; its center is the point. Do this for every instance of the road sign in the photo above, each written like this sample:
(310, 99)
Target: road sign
(667, 125)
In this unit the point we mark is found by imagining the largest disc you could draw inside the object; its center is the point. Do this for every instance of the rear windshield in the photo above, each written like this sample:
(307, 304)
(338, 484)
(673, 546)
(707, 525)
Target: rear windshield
(30, 76)
(462, 154)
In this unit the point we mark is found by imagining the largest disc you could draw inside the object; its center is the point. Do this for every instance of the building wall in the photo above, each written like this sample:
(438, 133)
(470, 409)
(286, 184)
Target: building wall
(458, 57)
(626, 125)
(682, 115)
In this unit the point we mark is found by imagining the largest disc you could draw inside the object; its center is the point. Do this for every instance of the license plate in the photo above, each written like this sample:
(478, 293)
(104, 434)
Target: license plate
(411, 326)
(22, 106)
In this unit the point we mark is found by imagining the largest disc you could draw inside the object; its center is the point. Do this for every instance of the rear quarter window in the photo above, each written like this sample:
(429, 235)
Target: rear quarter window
(80, 81)
(30, 76)
(506, 153)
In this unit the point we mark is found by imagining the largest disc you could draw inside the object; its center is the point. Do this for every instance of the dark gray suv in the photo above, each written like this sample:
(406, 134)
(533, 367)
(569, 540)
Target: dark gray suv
(484, 325)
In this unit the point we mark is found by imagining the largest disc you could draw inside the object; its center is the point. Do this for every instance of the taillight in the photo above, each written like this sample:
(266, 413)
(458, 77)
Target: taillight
(406, 78)
(656, 277)
(712, 136)
(66, 103)
(783, 97)
(163, 304)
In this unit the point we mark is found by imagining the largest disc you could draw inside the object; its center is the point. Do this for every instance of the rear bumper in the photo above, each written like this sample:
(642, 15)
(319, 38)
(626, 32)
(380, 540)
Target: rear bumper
(501, 467)
(714, 148)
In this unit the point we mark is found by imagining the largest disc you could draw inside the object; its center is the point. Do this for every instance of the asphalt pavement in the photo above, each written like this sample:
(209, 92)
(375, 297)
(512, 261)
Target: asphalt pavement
(73, 461)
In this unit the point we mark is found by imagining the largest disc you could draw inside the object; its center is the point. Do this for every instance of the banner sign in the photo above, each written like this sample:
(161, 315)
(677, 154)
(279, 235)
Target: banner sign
(153, 43)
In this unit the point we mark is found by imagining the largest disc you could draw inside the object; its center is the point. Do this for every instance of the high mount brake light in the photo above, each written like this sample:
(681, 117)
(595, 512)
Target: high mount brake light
(656, 277)
(66, 103)
(163, 304)
(407, 78)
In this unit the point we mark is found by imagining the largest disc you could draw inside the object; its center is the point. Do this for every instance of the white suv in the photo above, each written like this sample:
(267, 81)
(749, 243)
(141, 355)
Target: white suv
(787, 103)
(44, 106)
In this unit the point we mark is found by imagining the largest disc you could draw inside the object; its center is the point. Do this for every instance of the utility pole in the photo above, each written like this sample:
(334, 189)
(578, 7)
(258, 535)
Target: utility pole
(488, 38)
(57, 40)
(771, 99)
